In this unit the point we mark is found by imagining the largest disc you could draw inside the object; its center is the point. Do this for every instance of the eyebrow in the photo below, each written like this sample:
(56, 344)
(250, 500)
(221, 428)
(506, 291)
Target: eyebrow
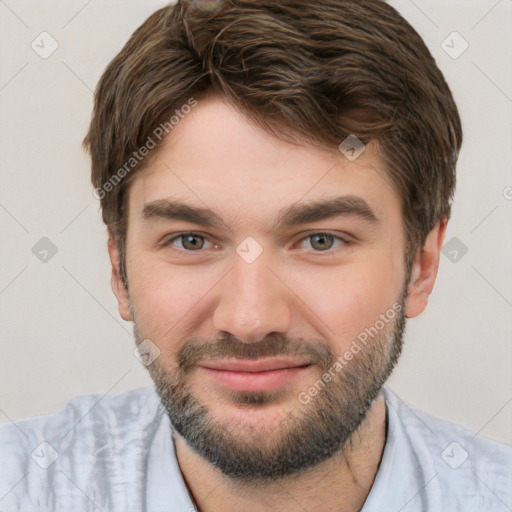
(176, 210)
(294, 215)
(304, 213)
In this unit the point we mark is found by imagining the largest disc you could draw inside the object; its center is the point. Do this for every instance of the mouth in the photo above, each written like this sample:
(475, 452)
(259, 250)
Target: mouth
(248, 375)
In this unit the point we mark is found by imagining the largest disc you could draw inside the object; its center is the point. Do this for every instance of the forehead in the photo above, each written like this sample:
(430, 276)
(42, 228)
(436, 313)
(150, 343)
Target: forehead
(217, 158)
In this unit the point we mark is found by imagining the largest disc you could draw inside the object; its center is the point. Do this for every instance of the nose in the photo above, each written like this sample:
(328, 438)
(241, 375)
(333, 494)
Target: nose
(253, 302)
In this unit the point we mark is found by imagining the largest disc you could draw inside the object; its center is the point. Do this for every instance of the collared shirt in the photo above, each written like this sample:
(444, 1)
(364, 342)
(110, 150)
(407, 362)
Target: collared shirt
(116, 454)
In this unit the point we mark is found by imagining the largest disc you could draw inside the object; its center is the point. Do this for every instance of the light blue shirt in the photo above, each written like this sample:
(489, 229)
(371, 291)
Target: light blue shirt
(116, 454)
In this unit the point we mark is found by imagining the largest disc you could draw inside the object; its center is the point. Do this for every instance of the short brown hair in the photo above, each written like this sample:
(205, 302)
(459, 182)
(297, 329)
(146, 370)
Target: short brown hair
(307, 71)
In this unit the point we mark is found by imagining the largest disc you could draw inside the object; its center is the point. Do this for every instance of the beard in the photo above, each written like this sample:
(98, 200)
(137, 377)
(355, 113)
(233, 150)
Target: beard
(306, 436)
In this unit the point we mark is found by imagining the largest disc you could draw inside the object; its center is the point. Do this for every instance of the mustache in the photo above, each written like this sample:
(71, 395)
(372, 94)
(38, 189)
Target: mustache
(227, 346)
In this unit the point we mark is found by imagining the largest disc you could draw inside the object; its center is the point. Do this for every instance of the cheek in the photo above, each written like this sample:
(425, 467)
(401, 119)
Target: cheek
(349, 298)
(165, 297)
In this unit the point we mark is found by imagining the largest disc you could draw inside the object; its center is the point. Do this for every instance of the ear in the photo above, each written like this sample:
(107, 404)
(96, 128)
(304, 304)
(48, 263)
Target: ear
(424, 271)
(117, 281)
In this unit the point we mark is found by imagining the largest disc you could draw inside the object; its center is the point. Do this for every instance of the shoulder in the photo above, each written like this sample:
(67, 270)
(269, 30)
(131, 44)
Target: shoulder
(83, 439)
(464, 468)
(81, 415)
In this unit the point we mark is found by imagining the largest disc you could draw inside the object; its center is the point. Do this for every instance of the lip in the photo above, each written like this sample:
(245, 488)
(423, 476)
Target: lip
(248, 375)
(250, 366)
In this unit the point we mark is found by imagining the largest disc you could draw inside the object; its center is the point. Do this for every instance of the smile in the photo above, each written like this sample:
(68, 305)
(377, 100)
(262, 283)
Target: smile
(247, 375)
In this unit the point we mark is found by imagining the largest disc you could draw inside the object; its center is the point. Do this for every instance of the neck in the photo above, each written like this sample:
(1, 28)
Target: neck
(341, 484)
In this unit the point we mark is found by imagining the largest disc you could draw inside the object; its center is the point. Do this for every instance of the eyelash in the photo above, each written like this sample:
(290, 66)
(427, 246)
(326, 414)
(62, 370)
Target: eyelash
(343, 241)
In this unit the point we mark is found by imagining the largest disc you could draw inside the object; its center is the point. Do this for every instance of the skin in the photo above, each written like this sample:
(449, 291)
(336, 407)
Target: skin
(217, 159)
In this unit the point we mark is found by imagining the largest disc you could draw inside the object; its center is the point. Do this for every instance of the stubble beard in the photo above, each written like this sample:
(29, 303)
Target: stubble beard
(307, 435)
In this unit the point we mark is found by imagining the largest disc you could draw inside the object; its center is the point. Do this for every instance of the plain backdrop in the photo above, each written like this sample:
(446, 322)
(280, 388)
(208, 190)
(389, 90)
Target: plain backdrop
(61, 335)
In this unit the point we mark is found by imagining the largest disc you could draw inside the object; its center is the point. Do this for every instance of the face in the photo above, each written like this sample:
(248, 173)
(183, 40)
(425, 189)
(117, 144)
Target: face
(256, 267)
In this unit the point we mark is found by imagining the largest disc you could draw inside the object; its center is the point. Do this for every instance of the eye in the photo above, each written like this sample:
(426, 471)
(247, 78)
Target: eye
(323, 242)
(188, 241)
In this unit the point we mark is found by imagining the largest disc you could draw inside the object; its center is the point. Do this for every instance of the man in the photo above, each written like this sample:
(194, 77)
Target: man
(276, 178)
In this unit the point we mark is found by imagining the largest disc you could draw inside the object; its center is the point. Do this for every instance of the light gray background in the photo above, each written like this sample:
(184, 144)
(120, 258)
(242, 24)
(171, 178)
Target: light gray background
(61, 333)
